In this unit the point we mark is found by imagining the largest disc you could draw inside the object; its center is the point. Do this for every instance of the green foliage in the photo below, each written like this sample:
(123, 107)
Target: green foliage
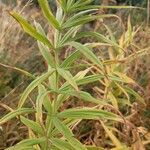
(52, 127)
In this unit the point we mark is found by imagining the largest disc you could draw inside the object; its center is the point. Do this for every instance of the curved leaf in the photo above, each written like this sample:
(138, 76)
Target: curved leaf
(68, 134)
(61, 144)
(32, 85)
(88, 113)
(68, 77)
(48, 14)
(31, 30)
(15, 113)
(86, 52)
(32, 125)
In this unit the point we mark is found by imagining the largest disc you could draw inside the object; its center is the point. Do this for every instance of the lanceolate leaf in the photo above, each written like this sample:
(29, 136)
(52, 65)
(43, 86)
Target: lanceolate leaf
(32, 85)
(70, 59)
(98, 36)
(86, 52)
(60, 99)
(31, 142)
(39, 103)
(68, 77)
(32, 125)
(90, 79)
(46, 100)
(27, 144)
(39, 28)
(83, 81)
(87, 113)
(19, 147)
(84, 19)
(46, 54)
(15, 113)
(80, 4)
(105, 7)
(48, 14)
(68, 134)
(78, 76)
(31, 30)
(79, 15)
(44, 49)
(61, 144)
(84, 96)
(70, 34)
(62, 128)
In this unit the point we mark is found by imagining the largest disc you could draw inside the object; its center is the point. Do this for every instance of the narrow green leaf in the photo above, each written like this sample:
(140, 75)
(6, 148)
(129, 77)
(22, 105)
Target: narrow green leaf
(70, 34)
(62, 128)
(31, 142)
(84, 19)
(60, 99)
(70, 59)
(46, 54)
(61, 144)
(68, 77)
(80, 75)
(86, 52)
(46, 100)
(78, 4)
(70, 3)
(94, 148)
(105, 7)
(39, 102)
(32, 85)
(87, 113)
(68, 134)
(98, 36)
(84, 96)
(32, 125)
(27, 144)
(67, 122)
(48, 14)
(39, 28)
(21, 148)
(31, 30)
(15, 113)
(59, 14)
(90, 79)
(80, 14)
(53, 80)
